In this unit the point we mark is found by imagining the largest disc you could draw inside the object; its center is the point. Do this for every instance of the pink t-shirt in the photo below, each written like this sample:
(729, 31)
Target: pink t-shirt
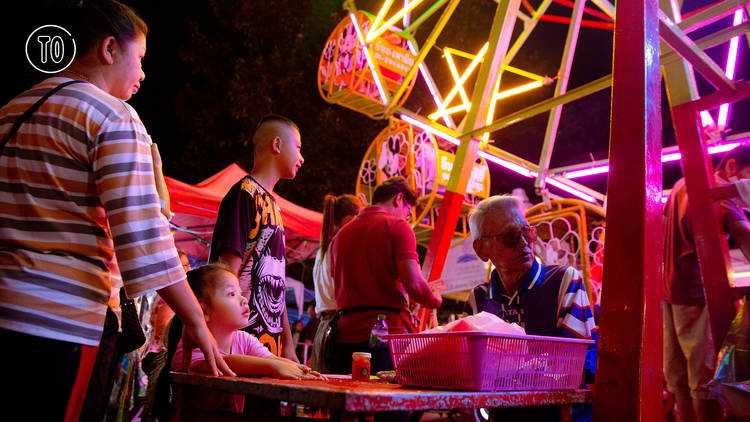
(242, 344)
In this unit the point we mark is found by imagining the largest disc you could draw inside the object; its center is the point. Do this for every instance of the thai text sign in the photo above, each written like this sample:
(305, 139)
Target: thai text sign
(478, 182)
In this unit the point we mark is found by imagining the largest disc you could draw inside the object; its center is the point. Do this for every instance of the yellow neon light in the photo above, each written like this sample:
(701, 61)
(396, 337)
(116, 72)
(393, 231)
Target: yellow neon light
(521, 72)
(517, 90)
(507, 68)
(376, 29)
(456, 77)
(370, 63)
(459, 53)
(459, 82)
(461, 107)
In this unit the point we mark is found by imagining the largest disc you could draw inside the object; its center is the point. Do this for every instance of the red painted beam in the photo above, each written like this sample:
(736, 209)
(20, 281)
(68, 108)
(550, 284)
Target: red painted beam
(440, 242)
(588, 10)
(584, 22)
(711, 247)
(629, 370)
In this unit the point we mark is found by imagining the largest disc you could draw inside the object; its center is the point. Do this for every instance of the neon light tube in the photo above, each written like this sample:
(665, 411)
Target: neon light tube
(672, 156)
(523, 171)
(428, 128)
(377, 29)
(428, 81)
(571, 190)
(706, 119)
(460, 81)
(383, 98)
(666, 158)
(731, 64)
(517, 90)
(456, 77)
(587, 171)
(500, 161)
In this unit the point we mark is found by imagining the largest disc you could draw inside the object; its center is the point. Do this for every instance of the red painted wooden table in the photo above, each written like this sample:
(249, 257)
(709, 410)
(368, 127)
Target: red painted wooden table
(365, 397)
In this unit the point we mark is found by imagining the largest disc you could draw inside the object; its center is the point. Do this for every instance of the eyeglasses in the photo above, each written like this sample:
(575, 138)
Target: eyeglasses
(510, 239)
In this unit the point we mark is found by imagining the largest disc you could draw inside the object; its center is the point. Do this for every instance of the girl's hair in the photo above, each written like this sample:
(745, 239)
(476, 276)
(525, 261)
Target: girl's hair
(90, 21)
(335, 209)
(202, 280)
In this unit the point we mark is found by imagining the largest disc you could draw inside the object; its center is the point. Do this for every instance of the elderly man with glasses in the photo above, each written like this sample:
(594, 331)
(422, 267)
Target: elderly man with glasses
(546, 300)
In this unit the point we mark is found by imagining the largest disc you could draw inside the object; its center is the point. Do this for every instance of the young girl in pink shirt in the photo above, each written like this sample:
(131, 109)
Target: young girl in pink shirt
(226, 311)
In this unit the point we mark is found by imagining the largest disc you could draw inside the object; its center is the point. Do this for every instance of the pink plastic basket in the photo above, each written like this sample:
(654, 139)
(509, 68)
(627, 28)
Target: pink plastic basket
(485, 361)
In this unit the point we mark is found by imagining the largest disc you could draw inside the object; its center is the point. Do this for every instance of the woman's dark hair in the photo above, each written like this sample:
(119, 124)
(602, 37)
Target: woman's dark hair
(202, 280)
(741, 156)
(335, 209)
(90, 21)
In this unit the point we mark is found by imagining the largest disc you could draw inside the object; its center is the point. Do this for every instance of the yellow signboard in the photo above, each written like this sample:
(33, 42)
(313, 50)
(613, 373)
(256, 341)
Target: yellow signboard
(478, 182)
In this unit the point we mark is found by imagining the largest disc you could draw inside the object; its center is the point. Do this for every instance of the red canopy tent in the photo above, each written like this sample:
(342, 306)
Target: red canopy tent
(195, 208)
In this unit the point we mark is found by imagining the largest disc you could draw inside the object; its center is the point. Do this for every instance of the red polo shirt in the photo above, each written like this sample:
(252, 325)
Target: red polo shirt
(364, 254)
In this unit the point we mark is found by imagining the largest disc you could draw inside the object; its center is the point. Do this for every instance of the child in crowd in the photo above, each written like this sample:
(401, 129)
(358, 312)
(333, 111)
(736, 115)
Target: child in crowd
(226, 311)
(249, 233)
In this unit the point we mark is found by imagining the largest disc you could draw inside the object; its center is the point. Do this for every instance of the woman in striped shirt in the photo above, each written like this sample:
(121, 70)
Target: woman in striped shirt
(78, 212)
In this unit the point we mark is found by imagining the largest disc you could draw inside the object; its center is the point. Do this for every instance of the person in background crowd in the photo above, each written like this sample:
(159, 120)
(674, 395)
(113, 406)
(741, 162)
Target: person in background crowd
(375, 267)
(689, 356)
(337, 212)
(93, 208)
(249, 234)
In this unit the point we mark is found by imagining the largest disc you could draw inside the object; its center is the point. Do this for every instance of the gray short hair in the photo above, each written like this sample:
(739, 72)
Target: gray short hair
(497, 203)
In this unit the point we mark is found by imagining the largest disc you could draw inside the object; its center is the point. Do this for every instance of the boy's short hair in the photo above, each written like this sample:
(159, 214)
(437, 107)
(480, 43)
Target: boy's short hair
(392, 187)
(271, 117)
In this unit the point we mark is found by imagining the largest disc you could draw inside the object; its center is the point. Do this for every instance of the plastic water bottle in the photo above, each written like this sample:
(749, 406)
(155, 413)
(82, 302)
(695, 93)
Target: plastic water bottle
(378, 331)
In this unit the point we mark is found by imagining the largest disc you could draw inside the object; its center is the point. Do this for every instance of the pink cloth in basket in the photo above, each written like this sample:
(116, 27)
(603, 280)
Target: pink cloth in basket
(483, 321)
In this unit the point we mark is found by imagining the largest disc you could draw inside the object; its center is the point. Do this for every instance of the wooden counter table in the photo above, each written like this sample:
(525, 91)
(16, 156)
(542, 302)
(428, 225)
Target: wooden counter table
(353, 398)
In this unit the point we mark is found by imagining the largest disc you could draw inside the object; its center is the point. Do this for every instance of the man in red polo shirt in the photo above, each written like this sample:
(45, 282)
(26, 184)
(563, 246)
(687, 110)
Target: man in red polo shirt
(376, 269)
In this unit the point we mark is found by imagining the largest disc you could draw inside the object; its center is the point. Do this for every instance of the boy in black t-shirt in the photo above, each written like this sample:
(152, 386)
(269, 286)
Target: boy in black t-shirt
(249, 232)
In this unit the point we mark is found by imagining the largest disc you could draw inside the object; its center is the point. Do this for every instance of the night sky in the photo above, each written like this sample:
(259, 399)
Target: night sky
(213, 68)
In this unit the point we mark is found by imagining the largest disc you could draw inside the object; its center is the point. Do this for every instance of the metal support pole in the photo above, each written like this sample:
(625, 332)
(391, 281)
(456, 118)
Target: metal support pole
(429, 42)
(450, 208)
(629, 381)
(553, 121)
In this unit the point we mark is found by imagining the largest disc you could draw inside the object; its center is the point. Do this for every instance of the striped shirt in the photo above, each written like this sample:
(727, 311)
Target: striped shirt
(77, 201)
(551, 301)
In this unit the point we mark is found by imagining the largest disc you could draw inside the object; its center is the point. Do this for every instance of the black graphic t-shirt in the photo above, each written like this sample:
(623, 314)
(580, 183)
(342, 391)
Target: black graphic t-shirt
(249, 223)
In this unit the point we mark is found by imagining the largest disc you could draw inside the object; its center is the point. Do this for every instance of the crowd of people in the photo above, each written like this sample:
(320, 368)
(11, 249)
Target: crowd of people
(84, 214)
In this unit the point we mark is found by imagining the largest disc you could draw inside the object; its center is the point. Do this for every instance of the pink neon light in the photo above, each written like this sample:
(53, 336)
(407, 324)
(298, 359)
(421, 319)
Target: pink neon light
(571, 190)
(367, 56)
(666, 158)
(673, 156)
(587, 171)
(706, 119)
(523, 171)
(731, 64)
(427, 81)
